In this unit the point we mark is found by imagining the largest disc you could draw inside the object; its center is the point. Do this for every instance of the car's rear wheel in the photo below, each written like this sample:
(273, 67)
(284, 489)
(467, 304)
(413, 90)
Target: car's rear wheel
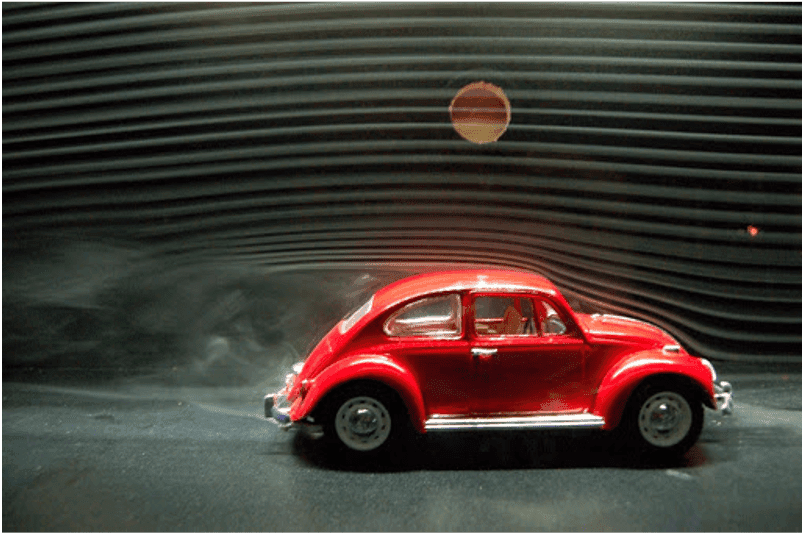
(363, 423)
(664, 418)
(365, 419)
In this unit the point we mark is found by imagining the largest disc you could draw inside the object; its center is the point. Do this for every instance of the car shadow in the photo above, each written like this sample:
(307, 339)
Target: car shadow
(494, 451)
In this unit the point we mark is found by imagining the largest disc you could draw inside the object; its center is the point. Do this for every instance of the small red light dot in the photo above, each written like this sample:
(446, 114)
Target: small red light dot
(752, 230)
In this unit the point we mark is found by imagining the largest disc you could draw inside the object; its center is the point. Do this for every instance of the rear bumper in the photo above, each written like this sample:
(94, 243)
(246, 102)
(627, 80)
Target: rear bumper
(723, 391)
(277, 410)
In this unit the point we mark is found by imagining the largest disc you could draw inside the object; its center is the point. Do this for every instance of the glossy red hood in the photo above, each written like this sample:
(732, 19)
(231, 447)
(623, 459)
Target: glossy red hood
(613, 328)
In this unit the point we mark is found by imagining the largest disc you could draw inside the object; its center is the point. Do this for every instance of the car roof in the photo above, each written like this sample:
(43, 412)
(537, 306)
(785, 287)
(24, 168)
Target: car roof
(461, 280)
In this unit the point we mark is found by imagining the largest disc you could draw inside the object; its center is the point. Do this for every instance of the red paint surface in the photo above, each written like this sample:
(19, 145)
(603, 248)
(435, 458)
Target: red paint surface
(593, 368)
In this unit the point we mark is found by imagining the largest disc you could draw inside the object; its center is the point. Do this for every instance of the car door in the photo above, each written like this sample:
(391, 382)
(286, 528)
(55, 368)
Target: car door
(532, 366)
(428, 336)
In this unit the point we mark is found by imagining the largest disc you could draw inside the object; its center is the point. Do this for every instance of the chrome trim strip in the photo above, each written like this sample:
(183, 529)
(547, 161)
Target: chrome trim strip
(483, 352)
(581, 420)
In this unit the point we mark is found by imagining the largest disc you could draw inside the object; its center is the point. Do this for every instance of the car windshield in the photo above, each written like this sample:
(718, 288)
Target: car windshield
(349, 322)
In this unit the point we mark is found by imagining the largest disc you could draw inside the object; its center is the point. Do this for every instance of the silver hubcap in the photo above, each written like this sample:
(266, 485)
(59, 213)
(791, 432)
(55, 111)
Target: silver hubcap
(665, 419)
(363, 423)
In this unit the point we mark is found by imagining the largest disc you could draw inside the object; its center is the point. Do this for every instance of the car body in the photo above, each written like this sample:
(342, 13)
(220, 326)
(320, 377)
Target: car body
(494, 349)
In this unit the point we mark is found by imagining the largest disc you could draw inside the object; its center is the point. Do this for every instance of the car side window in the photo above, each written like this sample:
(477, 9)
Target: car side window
(439, 316)
(551, 323)
(503, 315)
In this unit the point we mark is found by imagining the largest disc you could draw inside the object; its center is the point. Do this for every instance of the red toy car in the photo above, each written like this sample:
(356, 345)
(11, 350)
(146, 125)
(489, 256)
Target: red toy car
(495, 349)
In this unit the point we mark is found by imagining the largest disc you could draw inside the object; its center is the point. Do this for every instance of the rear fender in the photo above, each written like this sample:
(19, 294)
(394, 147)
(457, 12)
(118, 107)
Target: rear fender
(376, 368)
(621, 380)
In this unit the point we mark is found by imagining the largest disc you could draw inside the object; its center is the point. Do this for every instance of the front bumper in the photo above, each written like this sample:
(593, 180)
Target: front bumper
(723, 391)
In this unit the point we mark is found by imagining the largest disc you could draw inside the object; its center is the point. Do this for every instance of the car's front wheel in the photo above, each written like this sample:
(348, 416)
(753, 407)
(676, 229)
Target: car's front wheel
(664, 418)
(366, 419)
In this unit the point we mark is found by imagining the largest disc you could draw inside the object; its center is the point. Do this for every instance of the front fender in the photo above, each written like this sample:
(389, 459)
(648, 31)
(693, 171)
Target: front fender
(377, 368)
(622, 378)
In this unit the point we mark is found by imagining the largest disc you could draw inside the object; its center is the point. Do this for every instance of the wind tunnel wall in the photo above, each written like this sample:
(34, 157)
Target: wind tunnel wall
(652, 164)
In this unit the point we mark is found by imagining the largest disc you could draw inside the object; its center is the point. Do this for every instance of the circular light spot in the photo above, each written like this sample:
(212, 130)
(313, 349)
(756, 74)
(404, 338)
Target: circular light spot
(480, 112)
(752, 230)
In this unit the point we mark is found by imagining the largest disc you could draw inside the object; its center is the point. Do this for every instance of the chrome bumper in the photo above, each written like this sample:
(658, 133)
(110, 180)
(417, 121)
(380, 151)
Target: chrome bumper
(723, 391)
(277, 407)
(277, 410)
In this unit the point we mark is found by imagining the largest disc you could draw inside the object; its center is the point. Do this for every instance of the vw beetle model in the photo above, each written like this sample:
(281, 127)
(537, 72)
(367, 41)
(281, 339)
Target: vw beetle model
(494, 349)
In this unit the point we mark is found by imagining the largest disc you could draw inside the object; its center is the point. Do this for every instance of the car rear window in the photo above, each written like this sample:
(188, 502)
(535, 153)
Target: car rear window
(439, 316)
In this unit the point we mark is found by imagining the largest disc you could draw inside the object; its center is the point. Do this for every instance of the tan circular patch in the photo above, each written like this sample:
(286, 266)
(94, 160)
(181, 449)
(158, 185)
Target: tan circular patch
(480, 112)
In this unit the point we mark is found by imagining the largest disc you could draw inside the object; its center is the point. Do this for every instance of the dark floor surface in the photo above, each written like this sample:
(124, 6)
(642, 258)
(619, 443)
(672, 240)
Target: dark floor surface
(136, 455)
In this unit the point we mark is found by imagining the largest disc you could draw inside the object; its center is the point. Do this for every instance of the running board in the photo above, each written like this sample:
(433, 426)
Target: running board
(450, 423)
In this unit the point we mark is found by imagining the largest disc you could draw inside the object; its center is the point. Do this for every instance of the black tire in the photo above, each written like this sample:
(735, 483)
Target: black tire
(365, 419)
(663, 418)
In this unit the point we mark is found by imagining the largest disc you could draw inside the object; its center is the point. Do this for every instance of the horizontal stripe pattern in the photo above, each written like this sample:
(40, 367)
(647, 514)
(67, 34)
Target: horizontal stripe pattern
(645, 141)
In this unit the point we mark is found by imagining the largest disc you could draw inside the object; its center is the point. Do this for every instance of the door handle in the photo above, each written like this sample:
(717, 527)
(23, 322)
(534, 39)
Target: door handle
(483, 353)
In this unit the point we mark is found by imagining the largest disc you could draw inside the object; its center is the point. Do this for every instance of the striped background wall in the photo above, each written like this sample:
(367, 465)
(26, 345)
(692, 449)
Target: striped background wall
(645, 142)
